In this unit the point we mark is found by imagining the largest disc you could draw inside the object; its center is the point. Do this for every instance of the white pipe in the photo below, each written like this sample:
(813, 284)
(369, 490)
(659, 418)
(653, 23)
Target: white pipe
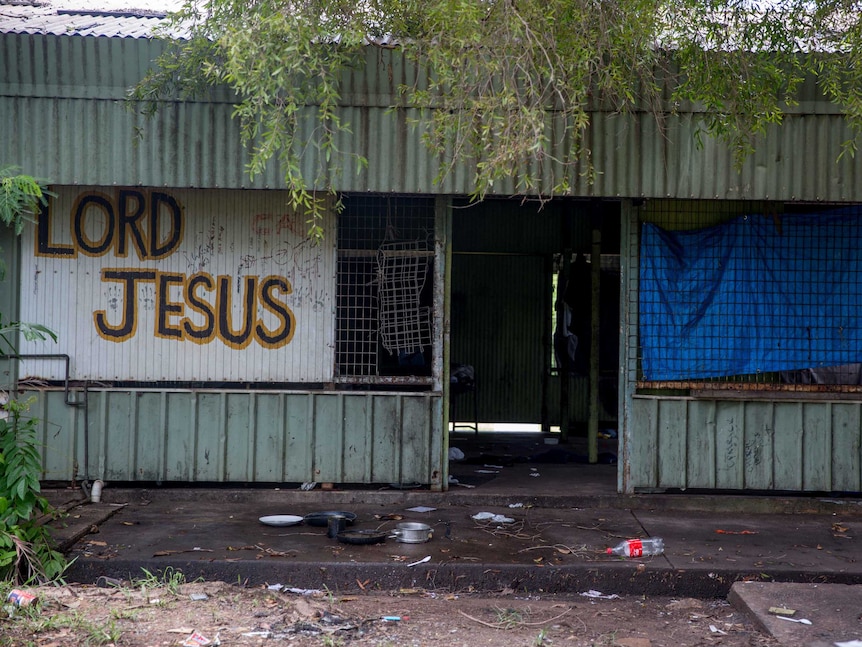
(96, 491)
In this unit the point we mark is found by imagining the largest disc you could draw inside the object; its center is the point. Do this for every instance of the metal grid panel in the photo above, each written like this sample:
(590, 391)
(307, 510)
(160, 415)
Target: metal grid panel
(383, 317)
(793, 317)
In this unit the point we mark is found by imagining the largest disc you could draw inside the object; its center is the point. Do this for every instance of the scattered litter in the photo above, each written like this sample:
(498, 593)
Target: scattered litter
(306, 592)
(598, 595)
(735, 532)
(421, 508)
(516, 505)
(155, 601)
(850, 643)
(198, 597)
(803, 621)
(493, 467)
(421, 561)
(453, 480)
(781, 611)
(455, 454)
(310, 485)
(197, 639)
(716, 630)
(534, 474)
(104, 582)
(275, 587)
(490, 516)
(487, 471)
(21, 598)
(196, 549)
(394, 618)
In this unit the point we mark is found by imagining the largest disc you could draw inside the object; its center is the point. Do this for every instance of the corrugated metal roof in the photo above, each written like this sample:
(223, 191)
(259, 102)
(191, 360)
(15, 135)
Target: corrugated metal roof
(63, 98)
(108, 18)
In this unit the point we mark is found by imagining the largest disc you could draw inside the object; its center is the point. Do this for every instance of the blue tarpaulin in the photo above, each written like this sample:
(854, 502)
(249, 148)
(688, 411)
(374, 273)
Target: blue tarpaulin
(758, 294)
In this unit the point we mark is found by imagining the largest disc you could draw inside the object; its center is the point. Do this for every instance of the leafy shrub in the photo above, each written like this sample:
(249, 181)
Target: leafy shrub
(27, 553)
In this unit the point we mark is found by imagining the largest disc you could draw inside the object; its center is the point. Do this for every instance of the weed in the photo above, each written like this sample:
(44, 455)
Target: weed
(26, 550)
(509, 618)
(125, 614)
(606, 640)
(169, 578)
(540, 639)
(97, 634)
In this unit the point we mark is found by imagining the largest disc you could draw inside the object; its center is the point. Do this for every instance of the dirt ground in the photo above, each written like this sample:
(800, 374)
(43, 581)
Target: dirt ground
(165, 611)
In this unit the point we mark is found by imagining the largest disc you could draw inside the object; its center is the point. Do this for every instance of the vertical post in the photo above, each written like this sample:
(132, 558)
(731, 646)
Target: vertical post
(547, 342)
(595, 308)
(442, 306)
(628, 338)
(564, 372)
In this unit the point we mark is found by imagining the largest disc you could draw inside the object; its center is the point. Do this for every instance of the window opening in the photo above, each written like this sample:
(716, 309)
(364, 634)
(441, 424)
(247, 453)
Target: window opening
(385, 289)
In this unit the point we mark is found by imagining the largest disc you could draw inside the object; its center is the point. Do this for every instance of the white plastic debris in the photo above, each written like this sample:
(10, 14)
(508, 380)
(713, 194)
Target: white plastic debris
(421, 561)
(598, 595)
(310, 485)
(421, 508)
(455, 454)
(490, 516)
(516, 505)
(305, 591)
(197, 639)
(716, 630)
(275, 587)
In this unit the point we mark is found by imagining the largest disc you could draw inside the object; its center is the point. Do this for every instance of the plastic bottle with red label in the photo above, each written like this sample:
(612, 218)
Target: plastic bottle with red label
(638, 547)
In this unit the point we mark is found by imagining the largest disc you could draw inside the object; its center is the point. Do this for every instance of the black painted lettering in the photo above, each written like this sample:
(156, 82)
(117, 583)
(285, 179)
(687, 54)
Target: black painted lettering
(242, 338)
(167, 309)
(282, 334)
(130, 219)
(159, 249)
(204, 333)
(129, 323)
(44, 246)
(87, 204)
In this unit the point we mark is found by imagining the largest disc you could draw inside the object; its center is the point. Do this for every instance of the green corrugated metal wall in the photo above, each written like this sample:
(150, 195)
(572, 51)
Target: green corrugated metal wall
(241, 437)
(63, 101)
(745, 445)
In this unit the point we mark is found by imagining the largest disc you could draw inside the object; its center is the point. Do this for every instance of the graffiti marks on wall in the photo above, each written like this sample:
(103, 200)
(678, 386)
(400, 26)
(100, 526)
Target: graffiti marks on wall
(155, 270)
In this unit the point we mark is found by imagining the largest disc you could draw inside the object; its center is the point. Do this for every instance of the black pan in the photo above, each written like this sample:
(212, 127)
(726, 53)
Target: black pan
(322, 518)
(362, 537)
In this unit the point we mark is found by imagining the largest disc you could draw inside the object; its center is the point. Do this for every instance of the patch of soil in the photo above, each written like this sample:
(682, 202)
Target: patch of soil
(135, 615)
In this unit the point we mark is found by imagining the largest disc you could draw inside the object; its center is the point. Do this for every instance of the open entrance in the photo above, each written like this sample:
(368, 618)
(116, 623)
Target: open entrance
(534, 341)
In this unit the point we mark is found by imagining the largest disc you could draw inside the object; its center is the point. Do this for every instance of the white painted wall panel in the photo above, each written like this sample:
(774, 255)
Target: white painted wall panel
(224, 286)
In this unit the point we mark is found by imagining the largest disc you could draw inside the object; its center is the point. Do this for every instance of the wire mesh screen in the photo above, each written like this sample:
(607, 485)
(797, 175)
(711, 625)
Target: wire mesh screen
(384, 292)
(750, 294)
